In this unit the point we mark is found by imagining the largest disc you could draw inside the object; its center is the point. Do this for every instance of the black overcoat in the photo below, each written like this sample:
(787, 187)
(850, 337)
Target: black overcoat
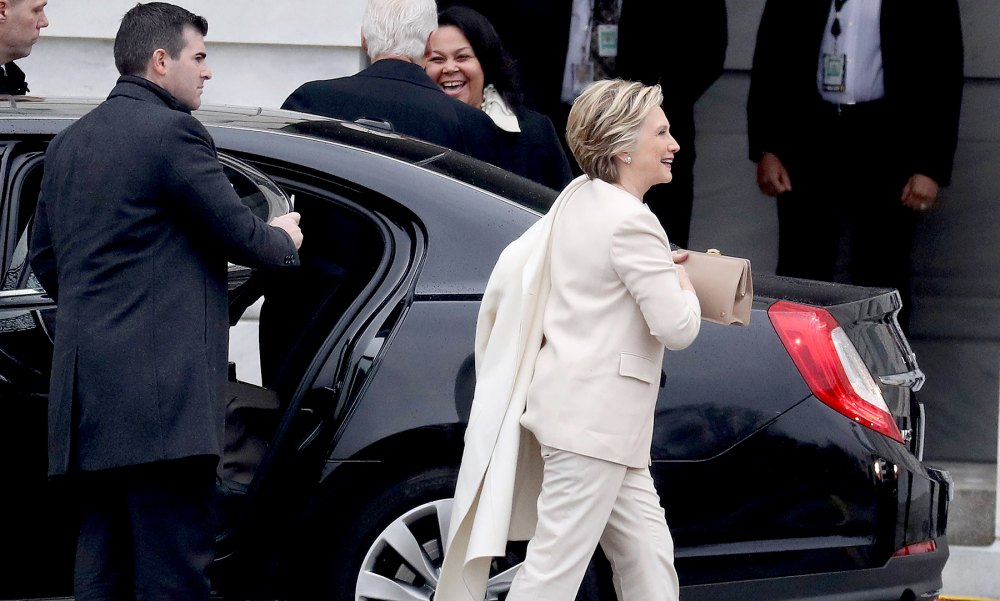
(401, 93)
(536, 152)
(134, 226)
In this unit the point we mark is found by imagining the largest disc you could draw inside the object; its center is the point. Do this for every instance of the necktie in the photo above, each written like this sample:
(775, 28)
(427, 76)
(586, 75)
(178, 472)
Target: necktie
(605, 13)
(835, 28)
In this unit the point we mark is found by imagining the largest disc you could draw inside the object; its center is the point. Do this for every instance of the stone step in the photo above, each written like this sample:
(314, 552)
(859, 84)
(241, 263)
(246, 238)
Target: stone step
(972, 518)
(973, 569)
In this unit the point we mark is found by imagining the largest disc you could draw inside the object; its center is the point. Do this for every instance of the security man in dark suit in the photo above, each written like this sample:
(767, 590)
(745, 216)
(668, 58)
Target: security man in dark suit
(853, 122)
(395, 88)
(21, 21)
(678, 44)
(134, 227)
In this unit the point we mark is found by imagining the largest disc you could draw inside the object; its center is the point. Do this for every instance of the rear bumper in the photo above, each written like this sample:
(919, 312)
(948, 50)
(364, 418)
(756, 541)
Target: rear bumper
(919, 575)
(946, 494)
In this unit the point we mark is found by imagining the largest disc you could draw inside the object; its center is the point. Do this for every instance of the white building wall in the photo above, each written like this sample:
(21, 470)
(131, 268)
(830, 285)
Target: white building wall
(259, 51)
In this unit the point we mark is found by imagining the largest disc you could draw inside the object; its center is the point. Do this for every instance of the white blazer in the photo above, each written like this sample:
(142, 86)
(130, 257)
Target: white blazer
(615, 302)
(500, 475)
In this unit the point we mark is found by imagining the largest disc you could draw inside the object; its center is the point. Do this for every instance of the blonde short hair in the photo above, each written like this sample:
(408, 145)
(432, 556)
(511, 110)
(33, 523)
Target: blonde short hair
(605, 120)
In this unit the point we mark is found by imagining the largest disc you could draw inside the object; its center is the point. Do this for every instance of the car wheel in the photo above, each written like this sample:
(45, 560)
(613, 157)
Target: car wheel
(394, 549)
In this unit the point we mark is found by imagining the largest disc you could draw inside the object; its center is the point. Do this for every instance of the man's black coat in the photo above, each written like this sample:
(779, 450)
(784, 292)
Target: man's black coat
(135, 224)
(401, 93)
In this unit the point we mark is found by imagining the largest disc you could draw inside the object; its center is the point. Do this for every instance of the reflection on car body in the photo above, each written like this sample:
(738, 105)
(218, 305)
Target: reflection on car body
(341, 458)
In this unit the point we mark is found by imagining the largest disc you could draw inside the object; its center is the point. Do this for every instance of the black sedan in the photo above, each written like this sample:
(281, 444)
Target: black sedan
(787, 453)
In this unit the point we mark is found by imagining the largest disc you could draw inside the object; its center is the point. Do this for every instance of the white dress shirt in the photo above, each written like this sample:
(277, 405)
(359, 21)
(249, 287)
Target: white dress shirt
(860, 40)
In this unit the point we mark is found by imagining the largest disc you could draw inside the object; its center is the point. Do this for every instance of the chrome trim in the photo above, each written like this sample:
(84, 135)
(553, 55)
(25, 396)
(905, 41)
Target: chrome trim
(921, 432)
(21, 292)
(913, 379)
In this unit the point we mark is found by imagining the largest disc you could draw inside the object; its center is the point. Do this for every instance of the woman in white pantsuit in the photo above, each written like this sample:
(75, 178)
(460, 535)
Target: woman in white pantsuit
(572, 332)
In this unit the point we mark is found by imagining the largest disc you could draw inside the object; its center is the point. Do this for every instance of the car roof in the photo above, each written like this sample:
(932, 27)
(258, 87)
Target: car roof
(57, 113)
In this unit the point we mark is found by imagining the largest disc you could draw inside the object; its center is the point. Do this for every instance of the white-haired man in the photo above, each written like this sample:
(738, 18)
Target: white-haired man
(21, 21)
(395, 88)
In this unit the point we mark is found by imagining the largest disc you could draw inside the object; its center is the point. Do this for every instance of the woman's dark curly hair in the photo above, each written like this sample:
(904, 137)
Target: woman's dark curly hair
(498, 66)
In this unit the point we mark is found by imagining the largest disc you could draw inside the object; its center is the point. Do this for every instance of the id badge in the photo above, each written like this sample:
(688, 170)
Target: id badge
(607, 40)
(834, 72)
(583, 76)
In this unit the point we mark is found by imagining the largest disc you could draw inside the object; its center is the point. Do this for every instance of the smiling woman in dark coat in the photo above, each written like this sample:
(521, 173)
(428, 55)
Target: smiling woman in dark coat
(470, 63)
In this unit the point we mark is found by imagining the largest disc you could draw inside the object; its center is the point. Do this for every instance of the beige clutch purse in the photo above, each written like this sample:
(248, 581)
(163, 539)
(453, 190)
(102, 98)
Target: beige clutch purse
(724, 286)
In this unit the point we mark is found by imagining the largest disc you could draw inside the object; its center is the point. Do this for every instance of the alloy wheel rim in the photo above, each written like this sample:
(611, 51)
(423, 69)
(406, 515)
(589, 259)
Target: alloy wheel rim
(404, 561)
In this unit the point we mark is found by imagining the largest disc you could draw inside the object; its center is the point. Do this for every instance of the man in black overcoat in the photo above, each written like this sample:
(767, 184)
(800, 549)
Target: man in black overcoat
(21, 22)
(135, 224)
(854, 155)
(679, 44)
(396, 89)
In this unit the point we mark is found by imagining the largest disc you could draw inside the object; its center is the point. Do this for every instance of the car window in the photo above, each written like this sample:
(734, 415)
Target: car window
(23, 185)
(26, 167)
(25, 315)
(255, 189)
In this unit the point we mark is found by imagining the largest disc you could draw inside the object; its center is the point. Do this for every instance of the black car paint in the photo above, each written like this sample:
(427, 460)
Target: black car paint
(760, 481)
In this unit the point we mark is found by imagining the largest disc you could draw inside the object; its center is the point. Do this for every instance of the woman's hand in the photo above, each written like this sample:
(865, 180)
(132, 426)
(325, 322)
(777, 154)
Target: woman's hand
(679, 257)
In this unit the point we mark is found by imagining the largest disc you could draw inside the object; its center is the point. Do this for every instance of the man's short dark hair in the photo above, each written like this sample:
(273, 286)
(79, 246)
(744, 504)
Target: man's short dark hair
(147, 27)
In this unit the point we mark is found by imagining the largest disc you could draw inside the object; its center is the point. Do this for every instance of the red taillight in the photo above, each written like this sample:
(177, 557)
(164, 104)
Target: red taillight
(927, 546)
(831, 366)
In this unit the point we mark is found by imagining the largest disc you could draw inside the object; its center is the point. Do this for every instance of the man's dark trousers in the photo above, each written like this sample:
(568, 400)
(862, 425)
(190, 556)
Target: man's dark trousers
(844, 219)
(137, 521)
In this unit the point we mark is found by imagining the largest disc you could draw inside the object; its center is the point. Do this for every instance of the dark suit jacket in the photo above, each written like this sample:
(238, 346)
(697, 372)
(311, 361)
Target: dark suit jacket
(12, 80)
(401, 93)
(680, 45)
(536, 152)
(135, 224)
(922, 60)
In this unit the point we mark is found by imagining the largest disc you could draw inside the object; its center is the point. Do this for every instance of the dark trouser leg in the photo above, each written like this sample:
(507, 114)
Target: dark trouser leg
(171, 508)
(104, 547)
(880, 229)
(147, 532)
(881, 245)
(807, 238)
(849, 179)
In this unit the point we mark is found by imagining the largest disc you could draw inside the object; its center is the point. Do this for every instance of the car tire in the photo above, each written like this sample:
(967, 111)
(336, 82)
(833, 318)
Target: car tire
(362, 558)
(392, 546)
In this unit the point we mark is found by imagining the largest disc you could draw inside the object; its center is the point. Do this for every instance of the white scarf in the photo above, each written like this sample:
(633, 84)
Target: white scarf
(497, 109)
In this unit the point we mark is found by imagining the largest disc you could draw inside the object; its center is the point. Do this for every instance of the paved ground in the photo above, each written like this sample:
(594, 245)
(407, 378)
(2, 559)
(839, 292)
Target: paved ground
(973, 570)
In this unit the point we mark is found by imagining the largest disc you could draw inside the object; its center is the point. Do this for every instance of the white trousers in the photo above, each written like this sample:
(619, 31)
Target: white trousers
(586, 501)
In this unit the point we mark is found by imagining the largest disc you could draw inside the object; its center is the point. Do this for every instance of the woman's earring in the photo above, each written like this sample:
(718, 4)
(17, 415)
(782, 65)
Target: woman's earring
(628, 159)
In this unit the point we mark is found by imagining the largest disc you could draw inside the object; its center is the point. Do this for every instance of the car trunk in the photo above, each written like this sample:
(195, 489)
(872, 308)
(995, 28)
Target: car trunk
(868, 318)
